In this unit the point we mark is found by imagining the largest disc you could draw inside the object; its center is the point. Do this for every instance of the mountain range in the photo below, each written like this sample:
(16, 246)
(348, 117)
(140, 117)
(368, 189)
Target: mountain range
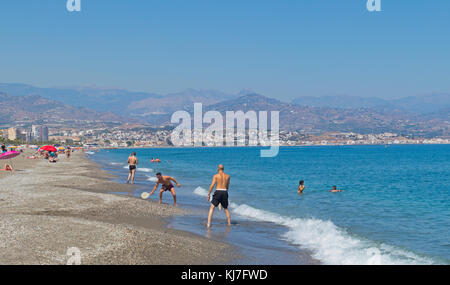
(34, 108)
(430, 103)
(421, 115)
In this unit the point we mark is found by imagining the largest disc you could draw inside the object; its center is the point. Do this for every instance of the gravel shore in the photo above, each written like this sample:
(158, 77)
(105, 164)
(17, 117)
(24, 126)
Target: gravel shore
(45, 209)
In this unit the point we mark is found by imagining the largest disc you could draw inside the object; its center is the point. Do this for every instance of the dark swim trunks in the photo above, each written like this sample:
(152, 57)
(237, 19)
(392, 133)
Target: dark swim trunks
(167, 187)
(132, 167)
(221, 197)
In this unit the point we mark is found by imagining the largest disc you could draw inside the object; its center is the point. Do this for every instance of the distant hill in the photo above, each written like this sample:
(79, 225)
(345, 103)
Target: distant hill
(324, 119)
(36, 108)
(421, 115)
(340, 101)
(150, 107)
(158, 109)
(431, 103)
(98, 99)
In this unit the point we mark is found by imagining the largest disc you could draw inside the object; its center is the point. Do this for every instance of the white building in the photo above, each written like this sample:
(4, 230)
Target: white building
(40, 133)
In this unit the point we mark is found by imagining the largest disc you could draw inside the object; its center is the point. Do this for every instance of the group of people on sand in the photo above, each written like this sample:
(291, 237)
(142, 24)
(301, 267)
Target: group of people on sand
(221, 181)
(302, 187)
(51, 156)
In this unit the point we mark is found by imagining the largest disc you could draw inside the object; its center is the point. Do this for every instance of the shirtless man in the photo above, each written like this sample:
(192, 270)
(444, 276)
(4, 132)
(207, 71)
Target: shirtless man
(222, 182)
(166, 186)
(132, 161)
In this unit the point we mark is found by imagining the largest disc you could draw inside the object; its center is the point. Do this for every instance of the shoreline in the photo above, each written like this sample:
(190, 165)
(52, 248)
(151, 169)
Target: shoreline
(45, 209)
(247, 146)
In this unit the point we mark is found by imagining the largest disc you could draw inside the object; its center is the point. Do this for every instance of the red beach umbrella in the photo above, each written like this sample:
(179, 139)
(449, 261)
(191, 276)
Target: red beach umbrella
(49, 148)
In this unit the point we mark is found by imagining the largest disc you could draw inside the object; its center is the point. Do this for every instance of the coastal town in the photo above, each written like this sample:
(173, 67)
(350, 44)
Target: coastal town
(137, 136)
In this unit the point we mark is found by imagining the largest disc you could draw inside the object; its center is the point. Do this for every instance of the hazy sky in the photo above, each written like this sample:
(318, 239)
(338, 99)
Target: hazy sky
(278, 48)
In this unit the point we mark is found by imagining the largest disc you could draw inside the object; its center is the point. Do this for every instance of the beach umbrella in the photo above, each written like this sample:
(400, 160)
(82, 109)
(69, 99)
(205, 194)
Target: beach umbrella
(9, 155)
(49, 148)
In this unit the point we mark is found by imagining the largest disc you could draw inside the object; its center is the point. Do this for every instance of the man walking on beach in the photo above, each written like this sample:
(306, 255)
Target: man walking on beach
(222, 182)
(166, 186)
(132, 161)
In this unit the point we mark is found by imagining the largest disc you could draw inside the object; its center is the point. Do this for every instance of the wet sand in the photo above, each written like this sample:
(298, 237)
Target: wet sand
(45, 209)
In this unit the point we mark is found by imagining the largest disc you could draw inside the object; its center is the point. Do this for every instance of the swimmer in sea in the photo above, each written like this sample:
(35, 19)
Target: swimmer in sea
(301, 187)
(334, 190)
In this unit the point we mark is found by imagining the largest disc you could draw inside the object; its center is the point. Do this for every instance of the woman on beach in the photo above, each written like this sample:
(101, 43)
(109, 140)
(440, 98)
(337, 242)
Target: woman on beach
(8, 168)
(301, 187)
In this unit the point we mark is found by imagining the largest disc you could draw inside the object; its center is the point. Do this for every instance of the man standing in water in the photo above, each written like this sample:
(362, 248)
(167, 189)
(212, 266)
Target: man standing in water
(222, 182)
(166, 186)
(132, 161)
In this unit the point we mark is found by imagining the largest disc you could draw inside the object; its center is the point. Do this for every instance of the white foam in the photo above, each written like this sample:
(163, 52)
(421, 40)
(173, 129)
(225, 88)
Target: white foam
(329, 243)
(115, 163)
(145, 169)
(200, 191)
(90, 152)
(152, 178)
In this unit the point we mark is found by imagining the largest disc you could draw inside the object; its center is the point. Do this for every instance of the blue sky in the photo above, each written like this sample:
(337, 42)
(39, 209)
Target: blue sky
(282, 49)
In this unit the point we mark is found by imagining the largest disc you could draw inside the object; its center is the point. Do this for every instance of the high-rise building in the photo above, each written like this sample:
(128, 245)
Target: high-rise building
(4, 134)
(39, 133)
(13, 134)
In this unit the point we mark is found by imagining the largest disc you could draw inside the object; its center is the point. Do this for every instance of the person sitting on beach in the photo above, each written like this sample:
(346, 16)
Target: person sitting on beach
(132, 161)
(301, 187)
(222, 183)
(166, 186)
(8, 168)
(53, 157)
(334, 190)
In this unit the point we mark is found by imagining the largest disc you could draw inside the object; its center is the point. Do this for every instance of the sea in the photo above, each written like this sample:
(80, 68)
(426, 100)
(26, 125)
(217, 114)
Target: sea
(394, 207)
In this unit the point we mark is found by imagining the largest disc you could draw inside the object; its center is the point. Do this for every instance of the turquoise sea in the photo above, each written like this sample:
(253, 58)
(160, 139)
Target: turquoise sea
(394, 207)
